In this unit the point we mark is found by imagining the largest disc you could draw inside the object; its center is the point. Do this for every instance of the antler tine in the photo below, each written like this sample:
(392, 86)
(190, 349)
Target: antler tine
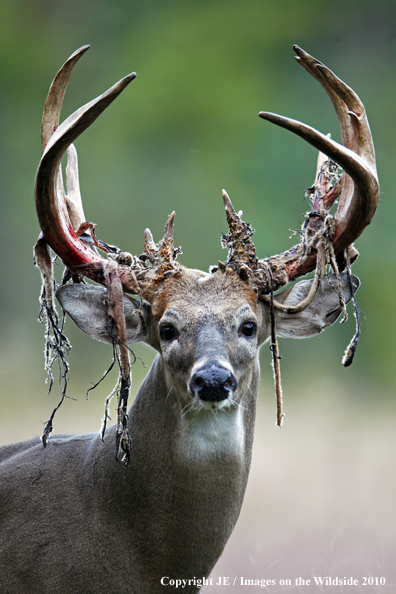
(53, 221)
(359, 192)
(233, 219)
(241, 250)
(164, 250)
(162, 256)
(73, 194)
(50, 122)
(352, 163)
(168, 233)
(149, 244)
(56, 94)
(346, 103)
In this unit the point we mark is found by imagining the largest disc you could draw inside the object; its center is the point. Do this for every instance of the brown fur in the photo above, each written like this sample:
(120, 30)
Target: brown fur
(189, 287)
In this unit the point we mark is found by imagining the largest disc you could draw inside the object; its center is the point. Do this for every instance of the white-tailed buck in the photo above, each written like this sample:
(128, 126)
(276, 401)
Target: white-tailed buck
(72, 518)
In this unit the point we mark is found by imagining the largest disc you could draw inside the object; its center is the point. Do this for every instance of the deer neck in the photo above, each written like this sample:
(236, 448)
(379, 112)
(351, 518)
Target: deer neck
(161, 425)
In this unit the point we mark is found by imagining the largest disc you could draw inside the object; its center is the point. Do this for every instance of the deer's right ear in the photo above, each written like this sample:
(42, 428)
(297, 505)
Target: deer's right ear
(87, 307)
(324, 310)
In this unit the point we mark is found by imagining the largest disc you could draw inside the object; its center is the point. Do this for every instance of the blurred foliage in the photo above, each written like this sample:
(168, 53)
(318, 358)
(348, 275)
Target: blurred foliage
(186, 128)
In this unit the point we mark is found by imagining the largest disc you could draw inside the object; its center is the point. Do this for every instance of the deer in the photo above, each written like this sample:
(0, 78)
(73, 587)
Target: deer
(72, 519)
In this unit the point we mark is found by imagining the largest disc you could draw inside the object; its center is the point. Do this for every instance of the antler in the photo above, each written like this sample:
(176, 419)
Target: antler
(357, 189)
(72, 238)
(55, 221)
(61, 216)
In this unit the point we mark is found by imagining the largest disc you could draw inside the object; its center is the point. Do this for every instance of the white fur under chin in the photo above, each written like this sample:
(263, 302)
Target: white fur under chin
(215, 405)
(208, 432)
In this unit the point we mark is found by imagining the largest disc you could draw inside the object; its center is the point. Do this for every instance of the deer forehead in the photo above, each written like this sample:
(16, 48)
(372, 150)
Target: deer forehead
(195, 297)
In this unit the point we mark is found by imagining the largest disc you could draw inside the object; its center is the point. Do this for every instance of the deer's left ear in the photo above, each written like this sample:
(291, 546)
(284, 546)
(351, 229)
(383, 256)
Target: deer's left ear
(323, 311)
(87, 307)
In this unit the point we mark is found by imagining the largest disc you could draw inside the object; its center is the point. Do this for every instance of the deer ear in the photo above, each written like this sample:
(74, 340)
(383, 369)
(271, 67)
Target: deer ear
(323, 311)
(87, 307)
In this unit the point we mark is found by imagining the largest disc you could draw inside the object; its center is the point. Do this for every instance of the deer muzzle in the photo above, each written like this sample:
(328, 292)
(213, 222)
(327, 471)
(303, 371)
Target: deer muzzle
(213, 383)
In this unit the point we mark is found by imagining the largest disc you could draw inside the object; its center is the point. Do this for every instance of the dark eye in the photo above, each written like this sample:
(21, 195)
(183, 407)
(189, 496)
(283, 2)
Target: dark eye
(249, 329)
(167, 332)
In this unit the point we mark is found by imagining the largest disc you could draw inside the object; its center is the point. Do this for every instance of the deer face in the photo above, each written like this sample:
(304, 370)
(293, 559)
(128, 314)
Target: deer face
(209, 337)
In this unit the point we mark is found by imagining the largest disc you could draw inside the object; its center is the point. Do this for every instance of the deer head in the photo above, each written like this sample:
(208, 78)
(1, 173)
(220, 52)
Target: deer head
(207, 327)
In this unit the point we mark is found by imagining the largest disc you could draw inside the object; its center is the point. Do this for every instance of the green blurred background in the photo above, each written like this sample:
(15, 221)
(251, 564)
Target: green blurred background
(186, 128)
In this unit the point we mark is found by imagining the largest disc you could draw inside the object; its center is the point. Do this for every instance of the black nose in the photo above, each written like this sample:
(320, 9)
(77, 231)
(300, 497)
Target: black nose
(213, 383)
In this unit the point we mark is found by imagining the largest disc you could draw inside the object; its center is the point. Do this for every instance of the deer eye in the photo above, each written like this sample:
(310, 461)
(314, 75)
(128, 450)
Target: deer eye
(249, 329)
(167, 332)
